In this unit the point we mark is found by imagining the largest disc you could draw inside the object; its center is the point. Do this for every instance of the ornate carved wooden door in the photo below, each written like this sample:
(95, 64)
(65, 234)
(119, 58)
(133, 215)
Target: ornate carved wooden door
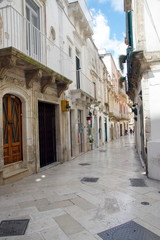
(12, 129)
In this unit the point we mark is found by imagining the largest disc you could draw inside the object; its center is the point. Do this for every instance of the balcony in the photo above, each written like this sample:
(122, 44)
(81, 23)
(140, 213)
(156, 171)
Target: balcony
(85, 89)
(122, 92)
(128, 5)
(86, 85)
(32, 49)
(82, 16)
(136, 65)
(125, 116)
(114, 115)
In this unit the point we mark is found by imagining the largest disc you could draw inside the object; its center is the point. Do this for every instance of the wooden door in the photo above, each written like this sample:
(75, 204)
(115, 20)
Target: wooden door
(47, 133)
(80, 131)
(12, 129)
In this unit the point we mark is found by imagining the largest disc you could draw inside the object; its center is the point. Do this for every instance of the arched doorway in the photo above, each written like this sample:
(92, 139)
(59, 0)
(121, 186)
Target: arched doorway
(12, 129)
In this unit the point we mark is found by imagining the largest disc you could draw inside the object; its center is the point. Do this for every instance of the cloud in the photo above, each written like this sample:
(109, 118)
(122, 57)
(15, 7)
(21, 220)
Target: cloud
(116, 4)
(102, 36)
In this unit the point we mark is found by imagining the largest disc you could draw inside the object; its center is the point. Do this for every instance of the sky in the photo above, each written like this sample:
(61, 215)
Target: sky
(108, 26)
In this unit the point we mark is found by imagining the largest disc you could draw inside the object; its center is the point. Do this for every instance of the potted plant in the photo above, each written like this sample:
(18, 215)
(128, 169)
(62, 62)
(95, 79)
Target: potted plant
(121, 80)
(122, 60)
(90, 139)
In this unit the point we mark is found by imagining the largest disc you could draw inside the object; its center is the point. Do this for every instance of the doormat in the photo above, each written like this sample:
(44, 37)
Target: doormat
(128, 231)
(138, 182)
(13, 227)
(87, 179)
(84, 164)
(102, 150)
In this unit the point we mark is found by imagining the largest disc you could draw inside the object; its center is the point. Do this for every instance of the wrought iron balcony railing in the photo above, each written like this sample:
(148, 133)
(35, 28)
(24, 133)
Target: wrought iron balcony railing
(86, 85)
(16, 31)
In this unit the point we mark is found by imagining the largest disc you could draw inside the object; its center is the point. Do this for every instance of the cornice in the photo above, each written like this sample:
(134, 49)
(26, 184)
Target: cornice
(60, 3)
(80, 19)
(127, 5)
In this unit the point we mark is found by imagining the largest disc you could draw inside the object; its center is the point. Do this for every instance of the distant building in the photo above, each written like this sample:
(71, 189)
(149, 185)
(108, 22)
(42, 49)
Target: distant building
(118, 101)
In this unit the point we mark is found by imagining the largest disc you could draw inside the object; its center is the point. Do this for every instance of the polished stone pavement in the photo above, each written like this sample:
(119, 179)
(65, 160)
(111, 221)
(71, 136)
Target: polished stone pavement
(61, 206)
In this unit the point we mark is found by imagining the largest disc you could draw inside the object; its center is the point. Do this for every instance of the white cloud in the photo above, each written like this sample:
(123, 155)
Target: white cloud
(103, 39)
(116, 4)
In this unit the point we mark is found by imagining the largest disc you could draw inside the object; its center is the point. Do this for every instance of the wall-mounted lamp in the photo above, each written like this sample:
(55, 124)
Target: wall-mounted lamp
(65, 106)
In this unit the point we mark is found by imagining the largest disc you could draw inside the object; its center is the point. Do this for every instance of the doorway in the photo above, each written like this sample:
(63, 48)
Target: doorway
(12, 129)
(105, 127)
(112, 132)
(121, 130)
(47, 133)
(71, 132)
(80, 131)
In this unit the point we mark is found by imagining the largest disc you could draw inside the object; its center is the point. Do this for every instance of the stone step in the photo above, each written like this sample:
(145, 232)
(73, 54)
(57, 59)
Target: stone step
(15, 175)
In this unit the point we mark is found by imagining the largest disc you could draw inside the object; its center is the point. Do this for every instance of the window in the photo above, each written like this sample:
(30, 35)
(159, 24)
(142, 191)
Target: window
(33, 37)
(78, 70)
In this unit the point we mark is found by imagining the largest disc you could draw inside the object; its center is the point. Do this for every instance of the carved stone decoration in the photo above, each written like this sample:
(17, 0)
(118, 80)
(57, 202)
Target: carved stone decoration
(43, 1)
(14, 80)
(127, 5)
(47, 81)
(61, 87)
(31, 76)
(60, 3)
(80, 20)
(53, 33)
(6, 63)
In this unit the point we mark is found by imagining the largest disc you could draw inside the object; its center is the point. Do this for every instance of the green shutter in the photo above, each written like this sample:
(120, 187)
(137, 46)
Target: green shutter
(130, 30)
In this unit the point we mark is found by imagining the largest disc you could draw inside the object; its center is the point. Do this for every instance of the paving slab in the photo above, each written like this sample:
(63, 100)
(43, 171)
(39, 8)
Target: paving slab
(68, 224)
(61, 206)
(82, 203)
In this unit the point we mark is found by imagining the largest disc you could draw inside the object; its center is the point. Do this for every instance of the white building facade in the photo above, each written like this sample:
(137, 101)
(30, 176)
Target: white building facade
(52, 80)
(143, 58)
(54, 86)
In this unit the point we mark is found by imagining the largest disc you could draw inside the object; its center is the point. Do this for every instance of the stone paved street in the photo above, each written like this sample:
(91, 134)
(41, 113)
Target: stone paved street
(61, 206)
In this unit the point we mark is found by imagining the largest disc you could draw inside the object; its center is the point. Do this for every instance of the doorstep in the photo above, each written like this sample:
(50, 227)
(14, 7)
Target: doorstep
(15, 175)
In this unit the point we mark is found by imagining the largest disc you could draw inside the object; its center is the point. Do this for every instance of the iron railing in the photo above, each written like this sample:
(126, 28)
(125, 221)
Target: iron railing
(16, 31)
(86, 85)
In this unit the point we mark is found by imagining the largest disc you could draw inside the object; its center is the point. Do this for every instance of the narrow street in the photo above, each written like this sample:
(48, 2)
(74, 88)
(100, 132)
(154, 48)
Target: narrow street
(62, 205)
